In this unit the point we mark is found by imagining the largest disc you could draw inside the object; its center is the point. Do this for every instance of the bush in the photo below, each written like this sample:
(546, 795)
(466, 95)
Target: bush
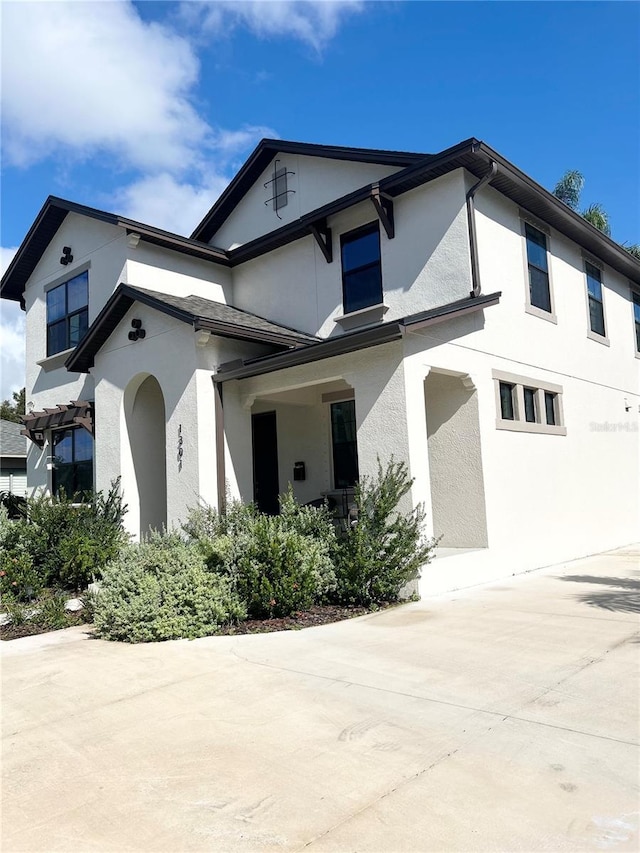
(18, 577)
(385, 548)
(161, 590)
(277, 564)
(70, 544)
(14, 504)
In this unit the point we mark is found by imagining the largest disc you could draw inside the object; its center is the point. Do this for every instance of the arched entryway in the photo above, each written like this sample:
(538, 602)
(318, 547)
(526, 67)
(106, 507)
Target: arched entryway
(145, 487)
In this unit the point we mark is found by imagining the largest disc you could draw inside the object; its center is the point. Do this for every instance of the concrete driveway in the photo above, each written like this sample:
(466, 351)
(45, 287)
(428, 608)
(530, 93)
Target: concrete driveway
(503, 717)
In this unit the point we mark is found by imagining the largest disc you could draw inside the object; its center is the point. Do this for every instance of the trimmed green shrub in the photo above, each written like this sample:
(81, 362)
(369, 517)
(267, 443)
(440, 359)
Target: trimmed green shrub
(277, 564)
(18, 577)
(385, 548)
(161, 590)
(70, 544)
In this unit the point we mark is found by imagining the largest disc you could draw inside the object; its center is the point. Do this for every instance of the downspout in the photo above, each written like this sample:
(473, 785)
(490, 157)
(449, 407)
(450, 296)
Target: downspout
(471, 219)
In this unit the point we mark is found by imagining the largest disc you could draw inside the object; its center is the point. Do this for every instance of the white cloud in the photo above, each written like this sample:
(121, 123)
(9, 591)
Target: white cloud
(93, 77)
(314, 22)
(11, 339)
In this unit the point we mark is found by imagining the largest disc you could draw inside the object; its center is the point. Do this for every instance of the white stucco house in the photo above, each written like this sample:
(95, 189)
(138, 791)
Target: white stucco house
(336, 306)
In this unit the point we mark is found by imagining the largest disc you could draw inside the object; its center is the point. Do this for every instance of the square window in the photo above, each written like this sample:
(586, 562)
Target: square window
(361, 268)
(537, 262)
(596, 303)
(507, 409)
(72, 461)
(67, 313)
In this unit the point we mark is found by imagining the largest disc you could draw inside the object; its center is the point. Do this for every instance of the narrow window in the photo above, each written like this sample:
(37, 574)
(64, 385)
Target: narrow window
(539, 291)
(636, 318)
(550, 407)
(361, 268)
(73, 461)
(507, 409)
(345, 448)
(596, 307)
(530, 405)
(67, 313)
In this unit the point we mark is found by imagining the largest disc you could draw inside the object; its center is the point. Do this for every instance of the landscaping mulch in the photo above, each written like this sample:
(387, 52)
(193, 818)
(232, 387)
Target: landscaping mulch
(319, 615)
(29, 628)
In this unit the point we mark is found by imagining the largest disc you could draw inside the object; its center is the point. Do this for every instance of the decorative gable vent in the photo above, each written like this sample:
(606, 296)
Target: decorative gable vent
(278, 187)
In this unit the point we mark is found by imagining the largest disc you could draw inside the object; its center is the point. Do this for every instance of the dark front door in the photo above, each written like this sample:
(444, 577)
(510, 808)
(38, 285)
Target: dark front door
(265, 462)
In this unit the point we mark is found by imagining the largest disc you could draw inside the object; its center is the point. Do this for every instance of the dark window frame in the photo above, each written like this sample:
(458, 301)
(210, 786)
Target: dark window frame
(635, 302)
(551, 408)
(346, 239)
(595, 301)
(67, 318)
(345, 464)
(534, 269)
(530, 396)
(507, 401)
(76, 476)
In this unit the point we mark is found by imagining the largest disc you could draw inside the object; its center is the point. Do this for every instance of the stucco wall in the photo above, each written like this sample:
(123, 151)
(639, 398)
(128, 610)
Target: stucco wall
(425, 265)
(316, 181)
(181, 275)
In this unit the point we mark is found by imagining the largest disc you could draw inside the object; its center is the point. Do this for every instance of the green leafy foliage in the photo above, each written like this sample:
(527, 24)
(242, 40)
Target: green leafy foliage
(18, 577)
(161, 590)
(277, 564)
(11, 411)
(385, 548)
(569, 187)
(69, 543)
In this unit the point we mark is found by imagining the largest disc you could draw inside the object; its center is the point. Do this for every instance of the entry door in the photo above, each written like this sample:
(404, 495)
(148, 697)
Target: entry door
(266, 487)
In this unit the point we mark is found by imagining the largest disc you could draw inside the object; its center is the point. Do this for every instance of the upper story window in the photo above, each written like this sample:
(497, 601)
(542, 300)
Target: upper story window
(67, 313)
(537, 262)
(361, 268)
(595, 300)
(636, 317)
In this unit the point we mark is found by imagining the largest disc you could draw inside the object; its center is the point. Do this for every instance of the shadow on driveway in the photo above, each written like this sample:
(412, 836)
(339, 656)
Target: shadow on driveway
(622, 597)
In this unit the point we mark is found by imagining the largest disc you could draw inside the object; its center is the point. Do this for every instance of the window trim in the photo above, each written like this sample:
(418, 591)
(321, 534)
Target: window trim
(53, 285)
(549, 316)
(519, 423)
(595, 336)
(350, 236)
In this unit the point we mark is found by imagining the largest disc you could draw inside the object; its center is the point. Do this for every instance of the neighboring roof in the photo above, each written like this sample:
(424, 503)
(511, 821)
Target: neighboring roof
(264, 153)
(223, 320)
(11, 442)
(52, 215)
(360, 339)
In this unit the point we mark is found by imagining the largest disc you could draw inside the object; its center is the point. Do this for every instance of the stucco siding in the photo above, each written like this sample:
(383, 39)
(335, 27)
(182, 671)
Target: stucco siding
(316, 181)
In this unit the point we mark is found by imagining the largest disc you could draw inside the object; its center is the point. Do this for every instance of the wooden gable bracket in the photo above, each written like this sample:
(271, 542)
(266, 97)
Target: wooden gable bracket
(384, 208)
(323, 237)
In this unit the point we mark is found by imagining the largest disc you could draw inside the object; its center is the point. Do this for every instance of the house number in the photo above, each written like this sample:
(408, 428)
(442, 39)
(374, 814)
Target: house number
(180, 448)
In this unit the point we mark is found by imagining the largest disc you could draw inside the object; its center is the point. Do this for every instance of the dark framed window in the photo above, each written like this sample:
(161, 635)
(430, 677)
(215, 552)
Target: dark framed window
(550, 407)
(361, 268)
(537, 261)
(636, 317)
(507, 408)
(530, 414)
(594, 295)
(344, 443)
(67, 313)
(72, 461)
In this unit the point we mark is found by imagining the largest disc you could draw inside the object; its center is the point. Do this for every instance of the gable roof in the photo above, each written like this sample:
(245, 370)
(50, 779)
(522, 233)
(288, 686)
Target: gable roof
(11, 442)
(264, 153)
(223, 320)
(52, 215)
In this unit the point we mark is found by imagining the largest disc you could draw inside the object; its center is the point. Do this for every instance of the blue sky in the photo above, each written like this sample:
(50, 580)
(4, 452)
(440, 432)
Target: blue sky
(147, 109)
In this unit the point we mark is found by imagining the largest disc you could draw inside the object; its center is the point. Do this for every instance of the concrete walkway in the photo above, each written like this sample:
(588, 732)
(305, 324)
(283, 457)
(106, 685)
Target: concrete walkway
(499, 718)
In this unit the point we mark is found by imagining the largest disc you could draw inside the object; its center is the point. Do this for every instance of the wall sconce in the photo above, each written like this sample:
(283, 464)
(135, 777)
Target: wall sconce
(137, 332)
(627, 407)
(67, 257)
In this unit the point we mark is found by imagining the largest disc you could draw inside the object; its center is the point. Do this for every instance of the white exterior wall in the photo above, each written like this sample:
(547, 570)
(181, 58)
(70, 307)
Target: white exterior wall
(425, 265)
(154, 268)
(317, 181)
